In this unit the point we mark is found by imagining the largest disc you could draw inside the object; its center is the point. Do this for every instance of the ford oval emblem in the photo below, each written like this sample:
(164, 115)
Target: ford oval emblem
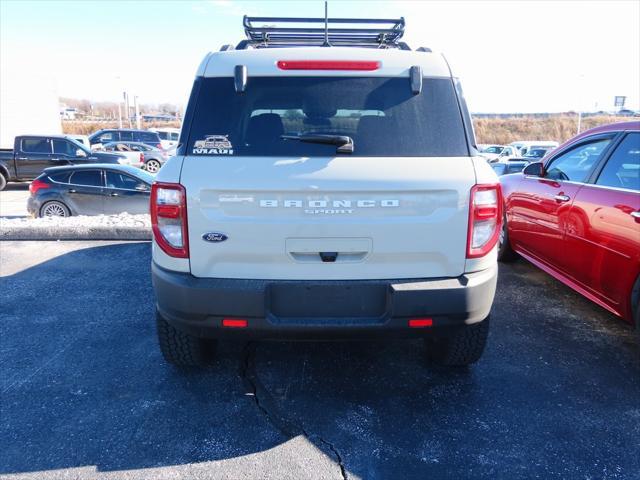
(214, 237)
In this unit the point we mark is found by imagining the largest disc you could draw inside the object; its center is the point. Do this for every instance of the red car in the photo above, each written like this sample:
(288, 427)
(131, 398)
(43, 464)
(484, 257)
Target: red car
(576, 215)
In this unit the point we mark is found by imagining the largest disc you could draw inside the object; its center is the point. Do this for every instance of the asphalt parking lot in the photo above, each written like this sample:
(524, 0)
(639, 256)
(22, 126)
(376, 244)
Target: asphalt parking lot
(86, 393)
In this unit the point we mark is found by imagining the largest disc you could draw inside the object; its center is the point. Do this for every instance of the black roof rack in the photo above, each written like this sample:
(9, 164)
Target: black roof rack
(274, 32)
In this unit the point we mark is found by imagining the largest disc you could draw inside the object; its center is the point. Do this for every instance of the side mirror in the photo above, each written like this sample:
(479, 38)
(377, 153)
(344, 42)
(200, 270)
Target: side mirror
(533, 169)
(80, 153)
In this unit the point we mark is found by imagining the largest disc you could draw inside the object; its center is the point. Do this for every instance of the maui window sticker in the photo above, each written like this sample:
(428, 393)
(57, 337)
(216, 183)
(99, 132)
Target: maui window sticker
(213, 145)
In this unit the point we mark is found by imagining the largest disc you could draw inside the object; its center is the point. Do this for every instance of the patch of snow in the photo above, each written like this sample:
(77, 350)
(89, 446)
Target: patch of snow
(81, 221)
(99, 227)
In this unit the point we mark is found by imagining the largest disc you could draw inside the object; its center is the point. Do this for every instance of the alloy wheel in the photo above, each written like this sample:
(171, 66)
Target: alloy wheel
(54, 209)
(152, 166)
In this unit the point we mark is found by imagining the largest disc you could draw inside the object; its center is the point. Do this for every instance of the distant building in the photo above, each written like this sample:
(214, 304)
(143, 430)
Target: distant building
(68, 113)
(159, 117)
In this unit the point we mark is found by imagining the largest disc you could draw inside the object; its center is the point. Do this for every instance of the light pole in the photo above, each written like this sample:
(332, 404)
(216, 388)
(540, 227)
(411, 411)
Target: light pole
(119, 81)
(127, 108)
(135, 106)
(580, 97)
(579, 121)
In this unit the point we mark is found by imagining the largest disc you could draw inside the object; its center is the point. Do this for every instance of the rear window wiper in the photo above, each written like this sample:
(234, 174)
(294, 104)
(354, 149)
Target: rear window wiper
(344, 143)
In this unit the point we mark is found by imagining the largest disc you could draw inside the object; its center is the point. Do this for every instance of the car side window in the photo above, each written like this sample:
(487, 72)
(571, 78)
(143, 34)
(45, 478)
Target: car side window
(87, 178)
(623, 167)
(107, 137)
(63, 147)
(174, 136)
(36, 145)
(576, 164)
(122, 147)
(149, 137)
(123, 181)
(126, 136)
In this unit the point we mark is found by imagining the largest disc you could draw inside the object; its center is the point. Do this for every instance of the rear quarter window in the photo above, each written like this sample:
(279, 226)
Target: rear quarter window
(148, 137)
(623, 167)
(62, 177)
(88, 178)
(380, 114)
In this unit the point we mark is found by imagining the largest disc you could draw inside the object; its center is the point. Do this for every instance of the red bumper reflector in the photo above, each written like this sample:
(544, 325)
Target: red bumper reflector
(327, 65)
(420, 322)
(234, 322)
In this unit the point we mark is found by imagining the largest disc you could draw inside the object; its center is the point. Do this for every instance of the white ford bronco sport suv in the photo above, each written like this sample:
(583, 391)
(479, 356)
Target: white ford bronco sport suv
(327, 186)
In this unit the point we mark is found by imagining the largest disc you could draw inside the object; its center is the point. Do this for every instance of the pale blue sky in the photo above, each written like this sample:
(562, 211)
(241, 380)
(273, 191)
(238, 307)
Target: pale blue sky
(511, 55)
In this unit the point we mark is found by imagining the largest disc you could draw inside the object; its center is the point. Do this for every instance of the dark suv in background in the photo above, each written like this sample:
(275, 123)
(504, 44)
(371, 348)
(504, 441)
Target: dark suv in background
(102, 137)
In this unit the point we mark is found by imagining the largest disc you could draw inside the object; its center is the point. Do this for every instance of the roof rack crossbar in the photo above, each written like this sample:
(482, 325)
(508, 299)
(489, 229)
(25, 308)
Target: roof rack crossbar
(247, 20)
(379, 33)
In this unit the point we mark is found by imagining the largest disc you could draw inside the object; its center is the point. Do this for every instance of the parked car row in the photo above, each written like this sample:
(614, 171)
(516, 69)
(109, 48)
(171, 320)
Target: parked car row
(139, 154)
(526, 150)
(31, 154)
(162, 143)
(160, 138)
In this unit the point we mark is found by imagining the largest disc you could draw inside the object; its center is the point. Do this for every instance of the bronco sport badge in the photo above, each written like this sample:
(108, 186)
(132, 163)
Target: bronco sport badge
(213, 145)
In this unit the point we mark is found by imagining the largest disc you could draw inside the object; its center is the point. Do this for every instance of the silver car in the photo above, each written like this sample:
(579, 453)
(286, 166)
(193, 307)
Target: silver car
(141, 155)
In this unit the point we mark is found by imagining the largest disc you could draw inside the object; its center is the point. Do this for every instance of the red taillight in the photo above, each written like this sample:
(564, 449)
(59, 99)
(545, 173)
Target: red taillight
(420, 322)
(327, 65)
(37, 185)
(485, 219)
(169, 218)
(234, 323)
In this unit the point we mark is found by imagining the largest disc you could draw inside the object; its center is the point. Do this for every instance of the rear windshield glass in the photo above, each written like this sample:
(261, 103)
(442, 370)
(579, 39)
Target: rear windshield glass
(381, 115)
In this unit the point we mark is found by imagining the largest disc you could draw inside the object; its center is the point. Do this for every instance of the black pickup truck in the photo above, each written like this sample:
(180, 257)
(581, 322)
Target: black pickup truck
(31, 154)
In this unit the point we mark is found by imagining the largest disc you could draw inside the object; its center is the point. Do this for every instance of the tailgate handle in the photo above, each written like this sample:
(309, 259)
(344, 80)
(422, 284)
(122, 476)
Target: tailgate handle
(328, 250)
(328, 257)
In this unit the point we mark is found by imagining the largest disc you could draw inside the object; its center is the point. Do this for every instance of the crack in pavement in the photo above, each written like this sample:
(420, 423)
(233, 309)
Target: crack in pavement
(267, 406)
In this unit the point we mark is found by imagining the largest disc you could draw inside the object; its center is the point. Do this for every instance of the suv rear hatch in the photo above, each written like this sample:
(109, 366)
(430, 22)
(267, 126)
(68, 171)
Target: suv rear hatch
(397, 207)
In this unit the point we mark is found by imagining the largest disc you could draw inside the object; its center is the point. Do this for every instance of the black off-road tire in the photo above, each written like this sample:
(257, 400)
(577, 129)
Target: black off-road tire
(3, 181)
(505, 252)
(462, 348)
(180, 348)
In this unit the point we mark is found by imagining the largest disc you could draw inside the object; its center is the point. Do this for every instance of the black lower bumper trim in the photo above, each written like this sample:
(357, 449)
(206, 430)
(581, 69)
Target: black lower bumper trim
(321, 309)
